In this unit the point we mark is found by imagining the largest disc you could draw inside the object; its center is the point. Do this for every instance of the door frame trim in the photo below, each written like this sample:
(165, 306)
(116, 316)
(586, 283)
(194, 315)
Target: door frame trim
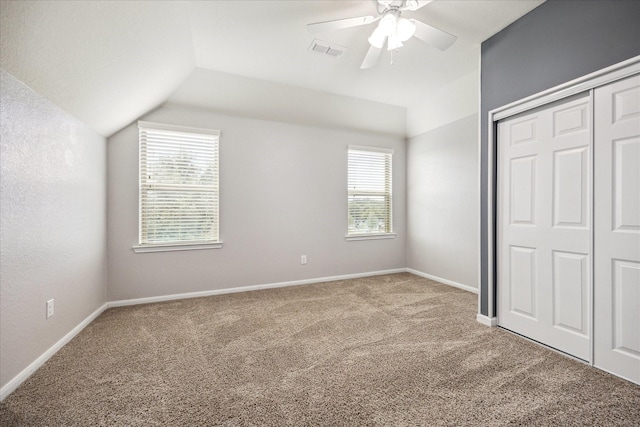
(582, 84)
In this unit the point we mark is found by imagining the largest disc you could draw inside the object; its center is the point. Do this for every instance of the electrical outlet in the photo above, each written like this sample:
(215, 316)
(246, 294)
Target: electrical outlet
(303, 259)
(49, 308)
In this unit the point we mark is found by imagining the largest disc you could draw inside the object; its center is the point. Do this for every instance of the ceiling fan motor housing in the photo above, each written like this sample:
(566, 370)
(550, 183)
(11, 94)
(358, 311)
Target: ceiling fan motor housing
(402, 4)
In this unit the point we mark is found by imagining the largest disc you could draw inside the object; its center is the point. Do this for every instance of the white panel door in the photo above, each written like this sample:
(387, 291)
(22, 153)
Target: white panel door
(544, 225)
(617, 228)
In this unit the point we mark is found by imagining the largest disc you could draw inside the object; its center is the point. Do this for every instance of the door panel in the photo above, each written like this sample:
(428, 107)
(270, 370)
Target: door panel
(626, 203)
(523, 190)
(617, 228)
(570, 182)
(522, 131)
(544, 225)
(571, 288)
(523, 281)
(570, 119)
(626, 295)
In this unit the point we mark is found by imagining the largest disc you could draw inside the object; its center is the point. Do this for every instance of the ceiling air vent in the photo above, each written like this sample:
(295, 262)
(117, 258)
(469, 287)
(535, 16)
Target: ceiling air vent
(326, 48)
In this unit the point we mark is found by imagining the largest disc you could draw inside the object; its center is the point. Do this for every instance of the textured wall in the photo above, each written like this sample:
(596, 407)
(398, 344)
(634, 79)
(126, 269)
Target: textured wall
(442, 202)
(557, 42)
(283, 193)
(52, 230)
(103, 62)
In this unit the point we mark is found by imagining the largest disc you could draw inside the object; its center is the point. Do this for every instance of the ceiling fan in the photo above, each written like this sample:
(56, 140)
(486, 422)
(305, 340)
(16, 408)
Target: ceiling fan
(392, 28)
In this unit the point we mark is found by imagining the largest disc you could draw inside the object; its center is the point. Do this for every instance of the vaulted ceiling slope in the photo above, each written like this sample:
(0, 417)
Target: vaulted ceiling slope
(110, 62)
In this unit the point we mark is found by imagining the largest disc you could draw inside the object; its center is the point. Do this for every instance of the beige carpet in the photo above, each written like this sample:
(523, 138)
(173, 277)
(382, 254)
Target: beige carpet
(394, 350)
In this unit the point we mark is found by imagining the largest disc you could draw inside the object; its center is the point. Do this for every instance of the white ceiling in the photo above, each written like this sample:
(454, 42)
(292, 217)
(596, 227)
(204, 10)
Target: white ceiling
(109, 62)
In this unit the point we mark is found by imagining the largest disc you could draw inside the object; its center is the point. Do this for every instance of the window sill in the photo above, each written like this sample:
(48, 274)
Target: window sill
(354, 237)
(176, 247)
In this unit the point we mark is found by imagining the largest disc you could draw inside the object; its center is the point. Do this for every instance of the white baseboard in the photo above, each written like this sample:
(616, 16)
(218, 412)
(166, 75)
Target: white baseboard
(26, 372)
(486, 320)
(135, 301)
(441, 280)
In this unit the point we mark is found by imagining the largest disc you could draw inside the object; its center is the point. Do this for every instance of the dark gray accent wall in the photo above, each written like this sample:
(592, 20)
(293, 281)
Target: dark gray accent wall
(558, 41)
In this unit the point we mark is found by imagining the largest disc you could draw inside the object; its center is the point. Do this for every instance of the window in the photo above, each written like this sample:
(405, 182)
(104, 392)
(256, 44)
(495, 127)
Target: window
(369, 193)
(178, 188)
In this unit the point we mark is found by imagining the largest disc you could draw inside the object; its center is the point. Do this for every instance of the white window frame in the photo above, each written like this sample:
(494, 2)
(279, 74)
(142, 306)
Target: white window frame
(388, 192)
(208, 136)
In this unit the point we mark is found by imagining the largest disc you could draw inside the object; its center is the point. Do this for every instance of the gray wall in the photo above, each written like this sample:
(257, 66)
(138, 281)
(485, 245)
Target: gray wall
(53, 224)
(442, 202)
(557, 42)
(283, 193)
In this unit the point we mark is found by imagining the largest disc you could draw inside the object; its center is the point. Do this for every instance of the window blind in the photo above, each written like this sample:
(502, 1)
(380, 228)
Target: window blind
(178, 184)
(369, 190)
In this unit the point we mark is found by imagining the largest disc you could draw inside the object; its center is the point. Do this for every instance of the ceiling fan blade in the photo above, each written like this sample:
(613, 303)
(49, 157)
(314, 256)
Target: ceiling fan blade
(416, 4)
(433, 36)
(371, 58)
(339, 24)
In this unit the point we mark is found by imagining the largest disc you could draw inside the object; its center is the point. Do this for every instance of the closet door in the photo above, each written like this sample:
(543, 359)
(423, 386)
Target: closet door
(544, 225)
(617, 228)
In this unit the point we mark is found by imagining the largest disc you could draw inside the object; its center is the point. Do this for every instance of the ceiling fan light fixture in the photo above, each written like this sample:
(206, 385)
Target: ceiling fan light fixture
(405, 29)
(394, 42)
(391, 29)
(388, 24)
(377, 38)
